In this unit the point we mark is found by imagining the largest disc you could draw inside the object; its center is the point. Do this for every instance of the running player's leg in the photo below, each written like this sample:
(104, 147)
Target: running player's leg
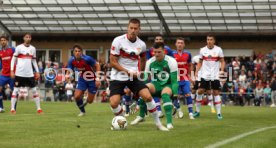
(167, 104)
(92, 90)
(127, 100)
(3, 82)
(176, 103)
(116, 90)
(137, 86)
(158, 106)
(143, 106)
(187, 93)
(78, 95)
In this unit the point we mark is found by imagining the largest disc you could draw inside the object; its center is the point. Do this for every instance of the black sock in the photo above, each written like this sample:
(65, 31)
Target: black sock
(80, 103)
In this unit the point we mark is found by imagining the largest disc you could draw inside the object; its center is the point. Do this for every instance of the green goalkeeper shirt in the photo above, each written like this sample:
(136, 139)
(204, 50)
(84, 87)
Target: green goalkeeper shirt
(164, 72)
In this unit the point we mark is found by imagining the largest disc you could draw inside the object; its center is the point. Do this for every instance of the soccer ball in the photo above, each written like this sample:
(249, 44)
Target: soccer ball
(119, 123)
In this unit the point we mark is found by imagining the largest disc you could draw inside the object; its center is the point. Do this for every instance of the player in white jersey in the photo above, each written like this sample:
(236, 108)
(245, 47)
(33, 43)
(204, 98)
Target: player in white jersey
(24, 58)
(211, 62)
(195, 60)
(126, 52)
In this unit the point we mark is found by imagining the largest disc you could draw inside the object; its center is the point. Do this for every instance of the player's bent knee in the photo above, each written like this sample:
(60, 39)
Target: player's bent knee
(114, 101)
(145, 94)
(90, 98)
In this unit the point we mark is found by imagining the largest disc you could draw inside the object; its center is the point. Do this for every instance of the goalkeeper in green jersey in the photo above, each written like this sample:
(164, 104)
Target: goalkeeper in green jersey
(162, 71)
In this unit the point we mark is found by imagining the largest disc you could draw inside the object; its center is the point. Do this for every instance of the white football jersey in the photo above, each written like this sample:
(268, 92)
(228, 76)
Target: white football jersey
(24, 66)
(195, 61)
(129, 55)
(210, 64)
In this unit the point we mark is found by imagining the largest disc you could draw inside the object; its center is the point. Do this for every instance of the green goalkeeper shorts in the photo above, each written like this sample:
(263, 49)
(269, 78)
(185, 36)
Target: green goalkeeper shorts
(159, 88)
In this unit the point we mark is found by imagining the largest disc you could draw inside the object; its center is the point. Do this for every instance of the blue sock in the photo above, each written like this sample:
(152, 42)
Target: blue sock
(80, 103)
(127, 103)
(190, 104)
(176, 103)
(157, 102)
(1, 101)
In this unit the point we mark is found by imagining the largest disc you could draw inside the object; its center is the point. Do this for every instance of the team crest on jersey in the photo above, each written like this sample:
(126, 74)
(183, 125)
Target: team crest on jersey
(139, 50)
(113, 48)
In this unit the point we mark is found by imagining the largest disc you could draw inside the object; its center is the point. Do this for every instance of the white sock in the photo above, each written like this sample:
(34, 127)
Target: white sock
(152, 109)
(198, 102)
(118, 111)
(218, 104)
(210, 98)
(37, 103)
(193, 96)
(36, 98)
(13, 102)
(13, 98)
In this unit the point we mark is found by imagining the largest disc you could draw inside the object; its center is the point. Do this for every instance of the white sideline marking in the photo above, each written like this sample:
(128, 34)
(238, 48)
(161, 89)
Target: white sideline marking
(33, 114)
(221, 143)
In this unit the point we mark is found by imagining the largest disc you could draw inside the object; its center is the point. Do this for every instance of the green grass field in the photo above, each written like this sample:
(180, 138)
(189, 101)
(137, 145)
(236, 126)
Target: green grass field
(57, 128)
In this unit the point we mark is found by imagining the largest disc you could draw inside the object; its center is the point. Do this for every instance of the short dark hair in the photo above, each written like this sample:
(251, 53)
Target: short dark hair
(180, 38)
(158, 45)
(134, 21)
(27, 33)
(159, 35)
(211, 35)
(77, 46)
(4, 36)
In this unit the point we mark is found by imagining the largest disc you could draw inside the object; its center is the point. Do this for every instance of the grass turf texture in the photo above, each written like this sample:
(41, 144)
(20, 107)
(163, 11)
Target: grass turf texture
(57, 127)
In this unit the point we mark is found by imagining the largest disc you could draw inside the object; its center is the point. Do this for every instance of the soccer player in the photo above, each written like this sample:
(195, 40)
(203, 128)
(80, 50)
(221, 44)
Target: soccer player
(211, 62)
(126, 52)
(24, 58)
(183, 59)
(149, 54)
(126, 98)
(88, 79)
(163, 70)
(196, 84)
(6, 54)
(167, 49)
